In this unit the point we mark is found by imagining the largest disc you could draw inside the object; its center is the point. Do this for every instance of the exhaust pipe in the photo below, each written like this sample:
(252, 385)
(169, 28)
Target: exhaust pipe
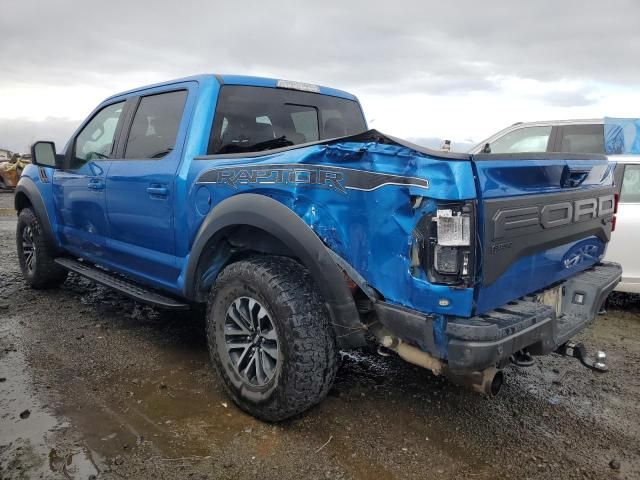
(487, 382)
(412, 354)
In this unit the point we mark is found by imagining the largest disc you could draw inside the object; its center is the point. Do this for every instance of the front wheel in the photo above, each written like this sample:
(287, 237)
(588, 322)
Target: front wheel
(34, 253)
(270, 338)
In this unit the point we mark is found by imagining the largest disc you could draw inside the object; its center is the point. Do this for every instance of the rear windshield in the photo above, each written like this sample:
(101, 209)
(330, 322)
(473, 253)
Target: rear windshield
(252, 119)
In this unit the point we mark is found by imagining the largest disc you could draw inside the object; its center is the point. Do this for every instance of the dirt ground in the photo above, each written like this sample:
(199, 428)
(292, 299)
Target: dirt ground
(93, 385)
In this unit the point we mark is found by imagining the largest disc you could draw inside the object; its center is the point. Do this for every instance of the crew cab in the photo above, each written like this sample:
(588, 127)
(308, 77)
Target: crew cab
(304, 233)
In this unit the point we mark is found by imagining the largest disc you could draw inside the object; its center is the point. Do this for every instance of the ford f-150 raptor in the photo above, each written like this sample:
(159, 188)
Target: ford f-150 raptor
(305, 233)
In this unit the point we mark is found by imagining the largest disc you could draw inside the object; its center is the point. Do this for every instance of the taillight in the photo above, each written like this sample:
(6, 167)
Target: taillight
(616, 197)
(445, 244)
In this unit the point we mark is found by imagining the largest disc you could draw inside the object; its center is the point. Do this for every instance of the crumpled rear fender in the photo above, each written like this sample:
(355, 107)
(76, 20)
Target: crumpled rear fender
(282, 223)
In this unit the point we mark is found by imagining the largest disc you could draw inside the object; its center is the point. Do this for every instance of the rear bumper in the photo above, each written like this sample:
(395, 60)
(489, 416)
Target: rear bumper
(540, 328)
(490, 339)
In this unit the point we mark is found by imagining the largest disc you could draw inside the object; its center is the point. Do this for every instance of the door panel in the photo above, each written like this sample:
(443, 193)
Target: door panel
(140, 189)
(80, 200)
(624, 240)
(79, 189)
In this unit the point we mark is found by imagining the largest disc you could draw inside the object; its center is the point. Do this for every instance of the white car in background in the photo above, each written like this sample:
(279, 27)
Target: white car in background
(586, 136)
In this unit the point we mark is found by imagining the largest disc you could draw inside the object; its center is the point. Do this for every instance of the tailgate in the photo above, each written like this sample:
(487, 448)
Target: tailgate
(542, 218)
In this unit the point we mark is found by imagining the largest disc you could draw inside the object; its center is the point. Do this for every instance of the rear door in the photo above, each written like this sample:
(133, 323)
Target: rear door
(140, 189)
(542, 219)
(624, 241)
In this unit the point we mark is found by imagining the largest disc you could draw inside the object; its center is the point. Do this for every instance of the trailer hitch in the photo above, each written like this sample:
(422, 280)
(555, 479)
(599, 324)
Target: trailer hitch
(578, 350)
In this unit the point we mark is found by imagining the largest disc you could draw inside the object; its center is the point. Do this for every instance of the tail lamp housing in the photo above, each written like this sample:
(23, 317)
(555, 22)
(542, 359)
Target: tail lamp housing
(446, 244)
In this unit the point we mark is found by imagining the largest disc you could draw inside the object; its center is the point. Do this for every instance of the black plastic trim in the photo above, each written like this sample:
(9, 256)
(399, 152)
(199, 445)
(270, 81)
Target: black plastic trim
(123, 285)
(407, 324)
(27, 187)
(546, 333)
(490, 339)
(276, 219)
(499, 252)
(131, 106)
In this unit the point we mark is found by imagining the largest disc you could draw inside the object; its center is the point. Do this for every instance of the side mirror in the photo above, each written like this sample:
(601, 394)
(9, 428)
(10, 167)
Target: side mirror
(44, 155)
(486, 148)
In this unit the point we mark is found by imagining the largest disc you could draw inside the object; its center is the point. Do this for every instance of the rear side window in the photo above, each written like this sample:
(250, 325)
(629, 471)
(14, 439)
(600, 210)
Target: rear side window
(581, 139)
(252, 119)
(527, 139)
(155, 125)
(630, 192)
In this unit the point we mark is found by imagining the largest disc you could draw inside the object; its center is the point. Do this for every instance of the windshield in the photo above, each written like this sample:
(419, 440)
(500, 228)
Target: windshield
(251, 119)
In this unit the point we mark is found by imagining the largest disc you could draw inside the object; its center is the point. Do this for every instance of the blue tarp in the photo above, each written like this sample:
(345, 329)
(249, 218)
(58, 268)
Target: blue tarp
(621, 135)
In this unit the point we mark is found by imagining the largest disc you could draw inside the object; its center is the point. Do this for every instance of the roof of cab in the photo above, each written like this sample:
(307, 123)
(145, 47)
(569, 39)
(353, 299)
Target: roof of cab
(234, 80)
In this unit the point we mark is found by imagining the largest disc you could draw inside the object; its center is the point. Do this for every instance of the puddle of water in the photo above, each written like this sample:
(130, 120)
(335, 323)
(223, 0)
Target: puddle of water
(28, 431)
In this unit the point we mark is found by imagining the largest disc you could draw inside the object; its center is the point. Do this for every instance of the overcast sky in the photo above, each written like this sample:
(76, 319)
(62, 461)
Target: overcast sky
(423, 70)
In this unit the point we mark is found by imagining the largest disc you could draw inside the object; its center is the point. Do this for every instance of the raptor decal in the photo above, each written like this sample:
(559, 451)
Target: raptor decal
(333, 178)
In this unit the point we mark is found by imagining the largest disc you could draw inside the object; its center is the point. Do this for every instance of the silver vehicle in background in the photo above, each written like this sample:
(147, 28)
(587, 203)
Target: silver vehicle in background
(585, 136)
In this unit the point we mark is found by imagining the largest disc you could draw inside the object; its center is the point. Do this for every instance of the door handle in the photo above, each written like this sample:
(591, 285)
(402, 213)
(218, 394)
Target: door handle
(158, 191)
(96, 185)
(574, 176)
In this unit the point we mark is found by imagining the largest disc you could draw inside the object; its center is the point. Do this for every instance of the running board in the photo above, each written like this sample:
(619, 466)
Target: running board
(131, 289)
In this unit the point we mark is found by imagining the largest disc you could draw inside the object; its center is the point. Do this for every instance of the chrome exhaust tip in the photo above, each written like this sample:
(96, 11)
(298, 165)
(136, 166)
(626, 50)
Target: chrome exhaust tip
(487, 382)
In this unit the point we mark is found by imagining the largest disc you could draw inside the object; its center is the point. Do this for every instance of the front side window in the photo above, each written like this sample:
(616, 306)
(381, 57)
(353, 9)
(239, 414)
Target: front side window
(252, 119)
(582, 139)
(95, 141)
(630, 192)
(528, 139)
(155, 125)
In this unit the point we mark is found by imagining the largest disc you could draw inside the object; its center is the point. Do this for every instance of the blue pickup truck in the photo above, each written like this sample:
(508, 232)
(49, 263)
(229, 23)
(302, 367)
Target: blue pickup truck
(305, 233)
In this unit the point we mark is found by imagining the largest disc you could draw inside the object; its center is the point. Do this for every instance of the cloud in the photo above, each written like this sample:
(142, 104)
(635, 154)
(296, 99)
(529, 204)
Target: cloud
(439, 47)
(569, 99)
(17, 134)
(80, 52)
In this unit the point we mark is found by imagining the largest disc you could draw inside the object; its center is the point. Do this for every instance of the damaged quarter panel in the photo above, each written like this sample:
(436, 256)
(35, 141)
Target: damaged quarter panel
(356, 194)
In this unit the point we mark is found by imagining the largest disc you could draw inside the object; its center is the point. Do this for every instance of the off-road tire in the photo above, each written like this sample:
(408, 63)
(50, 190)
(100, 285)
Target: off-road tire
(44, 272)
(308, 354)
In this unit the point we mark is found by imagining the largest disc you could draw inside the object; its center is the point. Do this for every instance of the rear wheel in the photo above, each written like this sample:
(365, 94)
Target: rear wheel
(34, 253)
(270, 338)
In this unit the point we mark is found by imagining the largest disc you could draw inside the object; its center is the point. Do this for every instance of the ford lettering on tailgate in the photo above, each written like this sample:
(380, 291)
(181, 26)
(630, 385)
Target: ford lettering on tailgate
(511, 222)
(516, 227)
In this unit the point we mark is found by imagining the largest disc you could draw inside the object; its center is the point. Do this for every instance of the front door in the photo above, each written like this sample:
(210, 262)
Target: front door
(79, 188)
(140, 189)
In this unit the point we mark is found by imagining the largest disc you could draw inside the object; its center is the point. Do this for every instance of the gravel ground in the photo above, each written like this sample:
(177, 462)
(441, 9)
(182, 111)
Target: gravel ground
(93, 385)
